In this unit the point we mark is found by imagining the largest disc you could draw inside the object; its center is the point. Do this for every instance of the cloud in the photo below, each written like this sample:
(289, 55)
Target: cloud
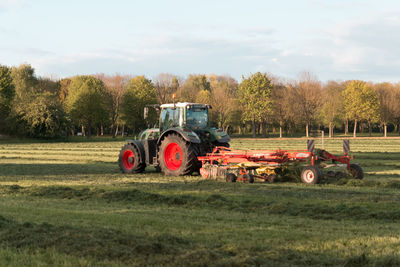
(364, 48)
(9, 4)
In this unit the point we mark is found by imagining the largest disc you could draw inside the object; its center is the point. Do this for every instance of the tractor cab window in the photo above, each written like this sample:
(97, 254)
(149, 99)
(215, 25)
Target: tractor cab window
(170, 118)
(197, 117)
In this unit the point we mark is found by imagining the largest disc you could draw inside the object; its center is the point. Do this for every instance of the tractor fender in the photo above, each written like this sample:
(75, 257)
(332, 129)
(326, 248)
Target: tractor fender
(186, 134)
(138, 144)
(219, 135)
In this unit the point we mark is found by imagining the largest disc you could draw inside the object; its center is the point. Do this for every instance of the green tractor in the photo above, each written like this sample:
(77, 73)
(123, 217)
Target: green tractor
(184, 133)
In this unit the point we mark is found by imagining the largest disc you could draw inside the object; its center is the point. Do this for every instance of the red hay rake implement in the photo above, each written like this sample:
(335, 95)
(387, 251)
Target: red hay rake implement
(266, 165)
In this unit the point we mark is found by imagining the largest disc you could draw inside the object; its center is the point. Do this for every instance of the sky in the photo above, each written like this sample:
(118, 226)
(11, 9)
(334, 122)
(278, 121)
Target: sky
(332, 39)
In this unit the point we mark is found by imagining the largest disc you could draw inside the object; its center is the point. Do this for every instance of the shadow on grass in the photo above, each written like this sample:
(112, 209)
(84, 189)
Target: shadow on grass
(99, 243)
(58, 169)
(369, 209)
(103, 244)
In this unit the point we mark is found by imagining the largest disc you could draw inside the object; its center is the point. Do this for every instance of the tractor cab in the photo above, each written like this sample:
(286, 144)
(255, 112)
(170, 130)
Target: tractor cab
(184, 115)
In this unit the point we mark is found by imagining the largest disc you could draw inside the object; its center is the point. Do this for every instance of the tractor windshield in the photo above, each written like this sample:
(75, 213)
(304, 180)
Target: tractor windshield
(197, 117)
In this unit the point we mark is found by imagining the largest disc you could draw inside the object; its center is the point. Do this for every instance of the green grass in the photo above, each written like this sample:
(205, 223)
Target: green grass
(67, 204)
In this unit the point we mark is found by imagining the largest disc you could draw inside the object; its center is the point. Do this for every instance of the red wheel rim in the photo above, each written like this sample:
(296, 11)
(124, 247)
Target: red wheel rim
(173, 156)
(128, 159)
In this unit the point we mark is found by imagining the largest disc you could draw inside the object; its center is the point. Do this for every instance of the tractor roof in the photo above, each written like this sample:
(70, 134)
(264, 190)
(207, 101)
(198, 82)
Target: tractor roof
(184, 104)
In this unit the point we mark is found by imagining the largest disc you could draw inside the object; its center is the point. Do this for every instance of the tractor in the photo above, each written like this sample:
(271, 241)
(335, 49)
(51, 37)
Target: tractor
(183, 134)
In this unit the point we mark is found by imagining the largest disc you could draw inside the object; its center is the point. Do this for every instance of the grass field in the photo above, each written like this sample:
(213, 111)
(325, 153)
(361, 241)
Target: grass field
(67, 204)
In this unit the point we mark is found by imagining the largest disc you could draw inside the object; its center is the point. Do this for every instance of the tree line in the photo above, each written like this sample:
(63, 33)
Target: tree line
(260, 104)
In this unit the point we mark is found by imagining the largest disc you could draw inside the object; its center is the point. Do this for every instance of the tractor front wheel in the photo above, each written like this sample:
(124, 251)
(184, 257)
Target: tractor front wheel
(129, 160)
(176, 156)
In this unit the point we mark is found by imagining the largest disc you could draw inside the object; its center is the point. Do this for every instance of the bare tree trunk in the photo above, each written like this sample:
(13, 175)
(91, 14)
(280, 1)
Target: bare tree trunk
(254, 128)
(355, 129)
(240, 130)
(280, 131)
(101, 130)
(72, 132)
(307, 129)
(123, 130)
(330, 129)
(97, 131)
(264, 129)
(398, 128)
(89, 135)
(116, 131)
(83, 131)
(369, 128)
(346, 128)
(385, 129)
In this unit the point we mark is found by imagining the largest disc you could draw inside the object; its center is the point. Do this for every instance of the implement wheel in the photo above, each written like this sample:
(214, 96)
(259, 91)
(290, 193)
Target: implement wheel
(177, 157)
(310, 175)
(356, 171)
(129, 160)
(230, 177)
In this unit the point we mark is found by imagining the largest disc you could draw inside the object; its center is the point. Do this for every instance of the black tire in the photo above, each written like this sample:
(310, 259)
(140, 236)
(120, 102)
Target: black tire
(230, 177)
(331, 174)
(177, 157)
(249, 177)
(356, 171)
(272, 178)
(129, 160)
(310, 175)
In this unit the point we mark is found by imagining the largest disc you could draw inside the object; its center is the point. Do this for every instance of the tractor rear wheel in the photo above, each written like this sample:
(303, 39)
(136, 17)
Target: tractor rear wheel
(129, 160)
(177, 157)
(310, 175)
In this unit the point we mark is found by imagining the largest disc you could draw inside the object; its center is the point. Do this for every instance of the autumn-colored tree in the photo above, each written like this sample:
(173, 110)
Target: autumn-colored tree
(386, 94)
(223, 100)
(280, 106)
(192, 86)
(254, 95)
(360, 103)
(115, 86)
(306, 99)
(166, 85)
(332, 108)
(63, 86)
(140, 91)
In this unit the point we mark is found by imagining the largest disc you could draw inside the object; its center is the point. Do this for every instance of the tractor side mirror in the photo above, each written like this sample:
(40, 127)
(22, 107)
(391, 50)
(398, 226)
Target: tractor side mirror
(145, 112)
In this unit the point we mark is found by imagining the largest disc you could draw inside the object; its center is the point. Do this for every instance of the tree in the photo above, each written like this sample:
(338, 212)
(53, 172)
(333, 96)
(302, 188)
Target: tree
(306, 99)
(360, 103)
(166, 85)
(386, 94)
(140, 91)
(332, 109)
(192, 86)
(7, 93)
(86, 102)
(115, 86)
(223, 100)
(254, 95)
(280, 106)
(43, 117)
(24, 80)
(63, 86)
